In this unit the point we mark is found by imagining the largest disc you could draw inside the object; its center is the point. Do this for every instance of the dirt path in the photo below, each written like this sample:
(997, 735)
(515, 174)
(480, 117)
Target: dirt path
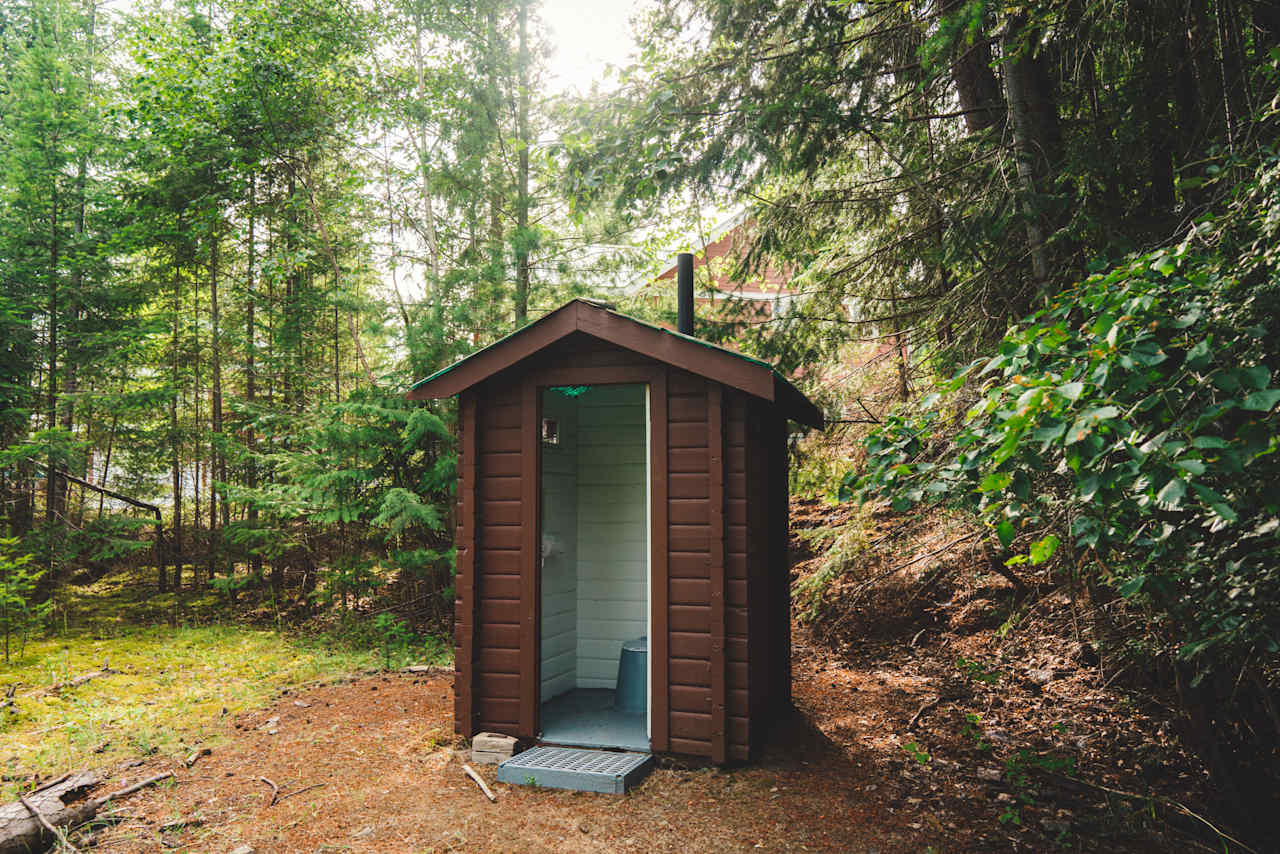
(389, 785)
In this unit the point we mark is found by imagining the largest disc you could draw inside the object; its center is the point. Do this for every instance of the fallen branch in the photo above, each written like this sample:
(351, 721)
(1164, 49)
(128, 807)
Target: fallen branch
(44, 822)
(129, 790)
(930, 704)
(25, 825)
(481, 783)
(48, 784)
(1169, 804)
(300, 791)
(876, 579)
(275, 791)
(195, 756)
(106, 670)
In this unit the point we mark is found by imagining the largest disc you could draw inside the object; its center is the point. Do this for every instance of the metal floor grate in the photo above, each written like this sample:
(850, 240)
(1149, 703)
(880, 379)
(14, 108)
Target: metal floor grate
(572, 768)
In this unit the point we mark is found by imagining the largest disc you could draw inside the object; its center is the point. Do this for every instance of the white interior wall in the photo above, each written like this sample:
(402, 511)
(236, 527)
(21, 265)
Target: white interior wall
(560, 550)
(612, 548)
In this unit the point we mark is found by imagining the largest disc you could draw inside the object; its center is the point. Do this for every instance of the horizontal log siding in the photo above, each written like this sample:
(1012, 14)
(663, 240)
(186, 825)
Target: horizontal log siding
(689, 636)
(780, 566)
(466, 631)
(760, 642)
(499, 493)
(737, 583)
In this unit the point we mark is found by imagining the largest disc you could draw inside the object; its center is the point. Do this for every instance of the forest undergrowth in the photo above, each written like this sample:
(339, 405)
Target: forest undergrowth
(1000, 707)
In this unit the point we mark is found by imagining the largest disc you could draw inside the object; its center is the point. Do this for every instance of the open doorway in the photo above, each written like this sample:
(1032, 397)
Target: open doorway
(595, 566)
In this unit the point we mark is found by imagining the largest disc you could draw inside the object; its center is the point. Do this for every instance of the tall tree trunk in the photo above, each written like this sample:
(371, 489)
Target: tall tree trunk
(424, 165)
(219, 461)
(522, 203)
(197, 446)
(495, 180)
(106, 457)
(251, 365)
(175, 442)
(976, 83)
(290, 321)
(1033, 137)
(51, 485)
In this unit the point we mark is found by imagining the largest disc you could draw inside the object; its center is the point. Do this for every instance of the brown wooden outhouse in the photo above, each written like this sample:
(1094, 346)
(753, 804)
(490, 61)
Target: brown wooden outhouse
(621, 537)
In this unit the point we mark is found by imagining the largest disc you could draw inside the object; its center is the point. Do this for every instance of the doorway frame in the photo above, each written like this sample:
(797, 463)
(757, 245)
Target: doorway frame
(654, 377)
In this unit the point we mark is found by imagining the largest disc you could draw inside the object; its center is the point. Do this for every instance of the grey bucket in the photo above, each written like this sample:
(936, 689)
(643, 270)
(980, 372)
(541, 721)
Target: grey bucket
(632, 696)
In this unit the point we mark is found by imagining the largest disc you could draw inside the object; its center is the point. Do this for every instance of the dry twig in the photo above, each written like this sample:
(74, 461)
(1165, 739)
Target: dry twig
(275, 791)
(481, 783)
(915, 719)
(300, 791)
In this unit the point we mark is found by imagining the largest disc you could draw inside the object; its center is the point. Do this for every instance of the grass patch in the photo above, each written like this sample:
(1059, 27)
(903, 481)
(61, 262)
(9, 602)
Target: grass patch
(174, 686)
(183, 668)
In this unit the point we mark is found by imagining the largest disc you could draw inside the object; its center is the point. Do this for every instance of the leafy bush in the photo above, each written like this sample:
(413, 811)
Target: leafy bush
(1130, 428)
(1133, 418)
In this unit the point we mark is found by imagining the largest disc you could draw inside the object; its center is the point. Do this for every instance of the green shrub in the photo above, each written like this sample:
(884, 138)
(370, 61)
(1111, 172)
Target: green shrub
(1135, 419)
(1127, 433)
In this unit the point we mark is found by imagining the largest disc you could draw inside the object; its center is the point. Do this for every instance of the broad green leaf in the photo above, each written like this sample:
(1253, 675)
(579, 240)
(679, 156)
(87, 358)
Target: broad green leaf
(1256, 377)
(1171, 494)
(1005, 532)
(1132, 586)
(995, 482)
(1262, 401)
(1071, 391)
(1042, 550)
(1192, 465)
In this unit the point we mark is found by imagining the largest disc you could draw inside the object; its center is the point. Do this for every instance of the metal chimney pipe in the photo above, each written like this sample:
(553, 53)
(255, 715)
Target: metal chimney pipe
(684, 287)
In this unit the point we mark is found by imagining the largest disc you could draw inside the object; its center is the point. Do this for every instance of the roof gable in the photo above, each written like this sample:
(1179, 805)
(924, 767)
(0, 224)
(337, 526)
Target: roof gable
(699, 357)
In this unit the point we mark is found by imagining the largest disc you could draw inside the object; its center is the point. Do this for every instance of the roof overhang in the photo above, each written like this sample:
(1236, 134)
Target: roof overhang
(699, 357)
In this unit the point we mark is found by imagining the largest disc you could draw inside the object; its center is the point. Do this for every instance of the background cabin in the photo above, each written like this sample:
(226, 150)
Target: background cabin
(621, 537)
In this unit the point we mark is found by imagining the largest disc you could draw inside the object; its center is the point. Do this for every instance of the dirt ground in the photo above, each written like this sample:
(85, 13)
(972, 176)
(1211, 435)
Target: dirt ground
(919, 726)
(368, 766)
(385, 779)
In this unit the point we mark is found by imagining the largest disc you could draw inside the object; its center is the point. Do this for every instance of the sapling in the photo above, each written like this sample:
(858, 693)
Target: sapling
(18, 580)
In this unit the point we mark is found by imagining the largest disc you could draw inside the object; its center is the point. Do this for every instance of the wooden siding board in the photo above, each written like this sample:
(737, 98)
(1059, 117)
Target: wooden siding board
(690, 645)
(759, 643)
(690, 591)
(530, 600)
(691, 698)
(691, 746)
(660, 560)
(687, 434)
(466, 613)
(687, 460)
(690, 564)
(691, 725)
(690, 671)
(500, 440)
(716, 442)
(780, 570)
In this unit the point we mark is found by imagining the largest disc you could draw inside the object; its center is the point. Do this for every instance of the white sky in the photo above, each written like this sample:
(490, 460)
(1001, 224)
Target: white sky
(587, 35)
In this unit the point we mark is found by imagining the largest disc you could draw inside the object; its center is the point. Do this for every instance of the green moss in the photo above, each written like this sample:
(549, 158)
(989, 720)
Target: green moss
(174, 686)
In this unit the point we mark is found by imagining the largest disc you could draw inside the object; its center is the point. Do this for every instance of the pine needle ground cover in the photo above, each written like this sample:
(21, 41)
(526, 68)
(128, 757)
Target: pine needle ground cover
(172, 683)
